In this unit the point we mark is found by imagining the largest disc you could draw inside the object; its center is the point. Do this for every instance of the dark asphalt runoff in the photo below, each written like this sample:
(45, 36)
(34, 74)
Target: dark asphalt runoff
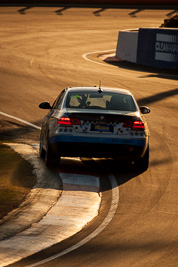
(41, 52)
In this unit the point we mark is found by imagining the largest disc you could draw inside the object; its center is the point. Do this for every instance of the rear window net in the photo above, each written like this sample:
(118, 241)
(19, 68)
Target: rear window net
(104, 100)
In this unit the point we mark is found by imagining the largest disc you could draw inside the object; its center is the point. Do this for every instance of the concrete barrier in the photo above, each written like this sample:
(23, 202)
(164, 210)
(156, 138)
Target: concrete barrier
(127, 45)
(153, 47)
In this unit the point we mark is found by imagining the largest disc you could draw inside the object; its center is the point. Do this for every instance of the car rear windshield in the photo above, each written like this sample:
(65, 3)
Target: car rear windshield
(103, 100)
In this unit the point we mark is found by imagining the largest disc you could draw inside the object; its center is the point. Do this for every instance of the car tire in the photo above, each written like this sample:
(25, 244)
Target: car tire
(143, 163)
(51, 159)
(41, 149)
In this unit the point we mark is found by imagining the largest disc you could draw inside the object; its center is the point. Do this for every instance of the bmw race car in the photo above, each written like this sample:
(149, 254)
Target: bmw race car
(95, 122)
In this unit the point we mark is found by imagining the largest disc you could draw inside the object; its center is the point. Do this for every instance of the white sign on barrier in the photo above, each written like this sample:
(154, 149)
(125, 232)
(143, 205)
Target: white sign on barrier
(166, 47)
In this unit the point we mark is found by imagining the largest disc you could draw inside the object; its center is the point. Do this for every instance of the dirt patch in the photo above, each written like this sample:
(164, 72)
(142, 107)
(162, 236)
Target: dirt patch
(16, 174)
(17, 131)
(16, 179)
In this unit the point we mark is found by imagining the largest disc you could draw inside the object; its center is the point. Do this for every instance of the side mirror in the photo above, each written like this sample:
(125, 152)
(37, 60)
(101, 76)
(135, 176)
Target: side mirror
(45, 105)
(144, 110)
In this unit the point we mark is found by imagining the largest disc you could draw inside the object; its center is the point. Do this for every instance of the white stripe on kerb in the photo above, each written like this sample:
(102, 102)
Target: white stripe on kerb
(103, 225)
(71, 213)
(80, 179)
(85, 56)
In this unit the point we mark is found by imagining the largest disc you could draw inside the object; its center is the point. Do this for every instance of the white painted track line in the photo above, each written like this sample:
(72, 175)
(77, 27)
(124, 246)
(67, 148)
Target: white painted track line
(17, 119)
(85, 56)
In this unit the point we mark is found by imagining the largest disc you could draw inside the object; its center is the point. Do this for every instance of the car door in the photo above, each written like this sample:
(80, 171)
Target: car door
(53, 115)
(48, 120)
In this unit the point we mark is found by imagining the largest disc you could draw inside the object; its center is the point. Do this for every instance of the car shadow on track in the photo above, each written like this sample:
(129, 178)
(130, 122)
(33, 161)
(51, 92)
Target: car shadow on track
(123, 170)
(153, 72)
(157, 97)
(103, 168)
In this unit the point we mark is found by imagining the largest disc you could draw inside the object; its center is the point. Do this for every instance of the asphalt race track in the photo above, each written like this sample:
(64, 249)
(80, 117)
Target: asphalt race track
(41, 52)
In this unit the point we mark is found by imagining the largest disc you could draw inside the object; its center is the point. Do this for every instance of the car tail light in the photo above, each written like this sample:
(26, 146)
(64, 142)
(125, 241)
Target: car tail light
(134, 125)
(138, 125)
(66, 121)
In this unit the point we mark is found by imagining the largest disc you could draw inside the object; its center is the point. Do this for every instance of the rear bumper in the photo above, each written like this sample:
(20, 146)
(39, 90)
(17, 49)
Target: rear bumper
(98, 147)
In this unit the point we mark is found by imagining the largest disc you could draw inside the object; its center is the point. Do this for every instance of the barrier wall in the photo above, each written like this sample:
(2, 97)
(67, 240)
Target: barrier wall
(158, 48)
(91, 2)
(155, 47)
(127, 45)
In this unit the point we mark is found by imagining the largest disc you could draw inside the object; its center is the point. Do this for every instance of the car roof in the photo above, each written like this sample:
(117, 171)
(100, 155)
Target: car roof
(95, 89)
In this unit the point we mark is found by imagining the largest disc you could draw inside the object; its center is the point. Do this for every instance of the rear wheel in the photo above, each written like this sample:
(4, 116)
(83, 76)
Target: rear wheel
(143, 163)
(42, 151)
(51, 159)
